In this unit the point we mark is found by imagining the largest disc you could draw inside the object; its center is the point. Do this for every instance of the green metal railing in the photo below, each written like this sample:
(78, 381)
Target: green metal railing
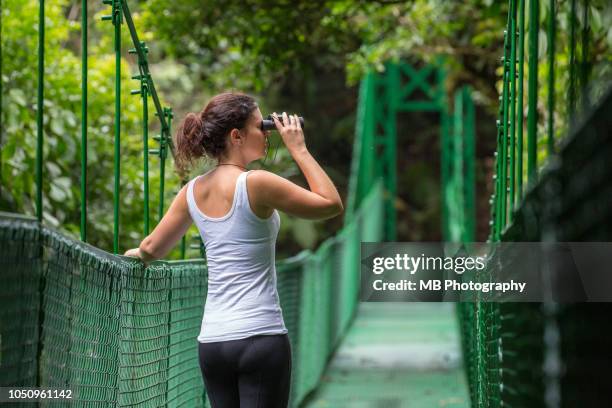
(120, 12)
(118, 334)
(517, 354)
(525, 354)
(39, 109)
(509, 188)
(84, 36)
(402, 88)
(459, 183)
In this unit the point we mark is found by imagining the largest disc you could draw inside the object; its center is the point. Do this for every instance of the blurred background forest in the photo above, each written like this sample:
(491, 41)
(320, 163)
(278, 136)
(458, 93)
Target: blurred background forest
(304, 57)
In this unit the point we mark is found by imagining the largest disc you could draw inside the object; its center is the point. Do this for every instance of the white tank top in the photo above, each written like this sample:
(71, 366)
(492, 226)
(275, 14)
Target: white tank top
(242, 299)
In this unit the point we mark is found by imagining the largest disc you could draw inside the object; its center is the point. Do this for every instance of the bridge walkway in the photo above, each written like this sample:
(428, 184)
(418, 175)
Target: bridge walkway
(396, 355)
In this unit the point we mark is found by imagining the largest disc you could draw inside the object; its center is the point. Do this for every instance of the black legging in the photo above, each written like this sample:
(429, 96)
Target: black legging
(254, 372)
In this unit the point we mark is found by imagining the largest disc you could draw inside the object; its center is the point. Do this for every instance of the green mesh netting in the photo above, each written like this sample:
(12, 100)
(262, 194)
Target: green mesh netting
(20, 260)
(532, 354)
(76, 317)
(319, 294)
(117, 334)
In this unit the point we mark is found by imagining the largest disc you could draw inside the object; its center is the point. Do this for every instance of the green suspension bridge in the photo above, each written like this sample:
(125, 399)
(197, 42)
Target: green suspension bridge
(117, 334)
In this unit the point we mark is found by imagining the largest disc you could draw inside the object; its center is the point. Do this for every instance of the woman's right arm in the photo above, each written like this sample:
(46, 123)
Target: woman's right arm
(273, 191)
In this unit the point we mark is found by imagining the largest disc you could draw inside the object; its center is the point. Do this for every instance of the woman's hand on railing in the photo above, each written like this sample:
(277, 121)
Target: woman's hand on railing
(136, 253)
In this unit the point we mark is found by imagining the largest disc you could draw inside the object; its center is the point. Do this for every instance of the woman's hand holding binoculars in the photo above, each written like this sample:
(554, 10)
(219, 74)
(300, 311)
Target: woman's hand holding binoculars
(291, 132)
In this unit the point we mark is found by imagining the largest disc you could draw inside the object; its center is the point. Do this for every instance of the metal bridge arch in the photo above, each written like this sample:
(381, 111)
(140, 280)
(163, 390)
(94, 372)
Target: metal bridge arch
(381, 97)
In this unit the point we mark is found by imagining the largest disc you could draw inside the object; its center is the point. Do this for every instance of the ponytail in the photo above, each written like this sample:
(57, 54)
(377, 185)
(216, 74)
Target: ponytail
(205, 133)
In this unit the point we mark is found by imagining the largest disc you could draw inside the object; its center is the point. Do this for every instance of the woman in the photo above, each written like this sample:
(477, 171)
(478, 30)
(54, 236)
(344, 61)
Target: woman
(244, 351)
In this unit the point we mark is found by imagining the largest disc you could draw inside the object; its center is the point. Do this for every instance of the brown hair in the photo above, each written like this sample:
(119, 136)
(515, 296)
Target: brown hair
(205, 133)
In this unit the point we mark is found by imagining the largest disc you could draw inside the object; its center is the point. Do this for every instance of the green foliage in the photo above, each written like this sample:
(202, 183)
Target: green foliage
(257, 43)
(290, 52)
(236, 44)
(62, 126)
(254, 44)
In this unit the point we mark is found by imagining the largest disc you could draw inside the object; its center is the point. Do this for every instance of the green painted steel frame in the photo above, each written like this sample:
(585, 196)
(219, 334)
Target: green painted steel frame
(84, 120)
(584, 65)
(459, 188)
(381, 97)
(571, 97)
(119, 12)
(164, 114)
(512, 101)
(508, 177)
(117, 19)
(532, 90)
(39, 109)
(511, 107)
(584, 62)
(520, 96)
(551, 36)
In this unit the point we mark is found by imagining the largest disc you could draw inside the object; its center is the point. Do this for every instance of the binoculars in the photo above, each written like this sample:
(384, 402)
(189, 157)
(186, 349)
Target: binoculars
(268, 123)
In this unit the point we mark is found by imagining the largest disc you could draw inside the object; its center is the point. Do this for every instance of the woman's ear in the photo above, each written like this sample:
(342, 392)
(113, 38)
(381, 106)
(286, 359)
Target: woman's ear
(236, 137)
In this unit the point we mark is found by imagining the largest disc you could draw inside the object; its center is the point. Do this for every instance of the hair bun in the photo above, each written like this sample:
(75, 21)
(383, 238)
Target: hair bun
(193, 127)
(205, 133)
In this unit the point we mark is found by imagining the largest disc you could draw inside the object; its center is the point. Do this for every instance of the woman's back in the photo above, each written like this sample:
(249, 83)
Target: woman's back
(214, 193)
(242, 300)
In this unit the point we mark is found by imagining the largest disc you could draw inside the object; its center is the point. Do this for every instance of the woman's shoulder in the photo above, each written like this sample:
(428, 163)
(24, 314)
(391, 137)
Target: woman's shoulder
(256, 180)
(257, 185)
(262, 178)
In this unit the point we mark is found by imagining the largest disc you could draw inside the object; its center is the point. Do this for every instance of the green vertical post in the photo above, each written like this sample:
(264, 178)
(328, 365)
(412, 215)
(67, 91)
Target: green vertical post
(366, 172)
(39, 159)
(584, 63)
(498, 201)
(445, 130)
(494, 200)
(84, 121)
(571, 98)
(390, 159)
(445, 146)
(469, 141)
(521, 77)
(117, 17)
(502, 193)
(532, 91)
(145, 141)
(491, 236)
(169, 117)
(183, 245)
(498, 151)
(363, 116)
(498, 170)
(457, 156)
(39, 111)
(552, 30)
(163, 151)
(513, 102)
(162, 175)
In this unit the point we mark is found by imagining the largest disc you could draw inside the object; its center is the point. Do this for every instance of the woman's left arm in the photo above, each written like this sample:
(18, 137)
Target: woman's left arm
(170, 229)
